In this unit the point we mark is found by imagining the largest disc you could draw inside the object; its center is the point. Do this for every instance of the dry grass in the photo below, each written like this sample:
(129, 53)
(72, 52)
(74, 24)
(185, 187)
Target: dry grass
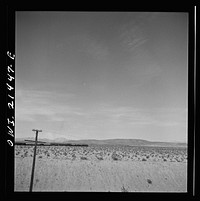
(102, 168)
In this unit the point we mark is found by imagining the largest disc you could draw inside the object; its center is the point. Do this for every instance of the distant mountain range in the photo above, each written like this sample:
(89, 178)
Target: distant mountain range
(129, 142)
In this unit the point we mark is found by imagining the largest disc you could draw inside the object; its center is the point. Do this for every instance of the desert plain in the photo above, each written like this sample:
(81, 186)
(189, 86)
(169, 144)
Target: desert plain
(101, 168)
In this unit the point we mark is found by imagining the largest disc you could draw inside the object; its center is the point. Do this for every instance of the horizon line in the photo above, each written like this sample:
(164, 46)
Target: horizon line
(173, 141)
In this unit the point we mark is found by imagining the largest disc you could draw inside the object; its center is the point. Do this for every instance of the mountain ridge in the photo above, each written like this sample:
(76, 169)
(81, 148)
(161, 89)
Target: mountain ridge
(117, 141)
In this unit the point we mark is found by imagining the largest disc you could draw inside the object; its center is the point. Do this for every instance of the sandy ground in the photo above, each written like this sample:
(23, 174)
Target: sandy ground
(80, 173)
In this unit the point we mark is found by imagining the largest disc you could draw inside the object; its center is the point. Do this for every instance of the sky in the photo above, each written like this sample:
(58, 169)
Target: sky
(102, 75)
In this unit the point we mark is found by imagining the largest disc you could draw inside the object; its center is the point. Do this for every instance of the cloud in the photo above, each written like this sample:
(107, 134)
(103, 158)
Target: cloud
(141, 117)
(45, 105)
(132, 36)
(37, 106)
(134, 33)
(95, 48)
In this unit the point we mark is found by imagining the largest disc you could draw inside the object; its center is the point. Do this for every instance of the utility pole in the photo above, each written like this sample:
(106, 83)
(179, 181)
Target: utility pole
(33, 166)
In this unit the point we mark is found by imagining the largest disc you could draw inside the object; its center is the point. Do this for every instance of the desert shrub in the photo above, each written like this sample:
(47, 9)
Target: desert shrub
(40, 157)
(83, 158)
(149, 181)
(115, 157)
(144, 159)
(124, 190)
(99, 157)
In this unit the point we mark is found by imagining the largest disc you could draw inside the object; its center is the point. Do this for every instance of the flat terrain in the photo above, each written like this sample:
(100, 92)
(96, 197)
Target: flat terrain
(102, 168)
